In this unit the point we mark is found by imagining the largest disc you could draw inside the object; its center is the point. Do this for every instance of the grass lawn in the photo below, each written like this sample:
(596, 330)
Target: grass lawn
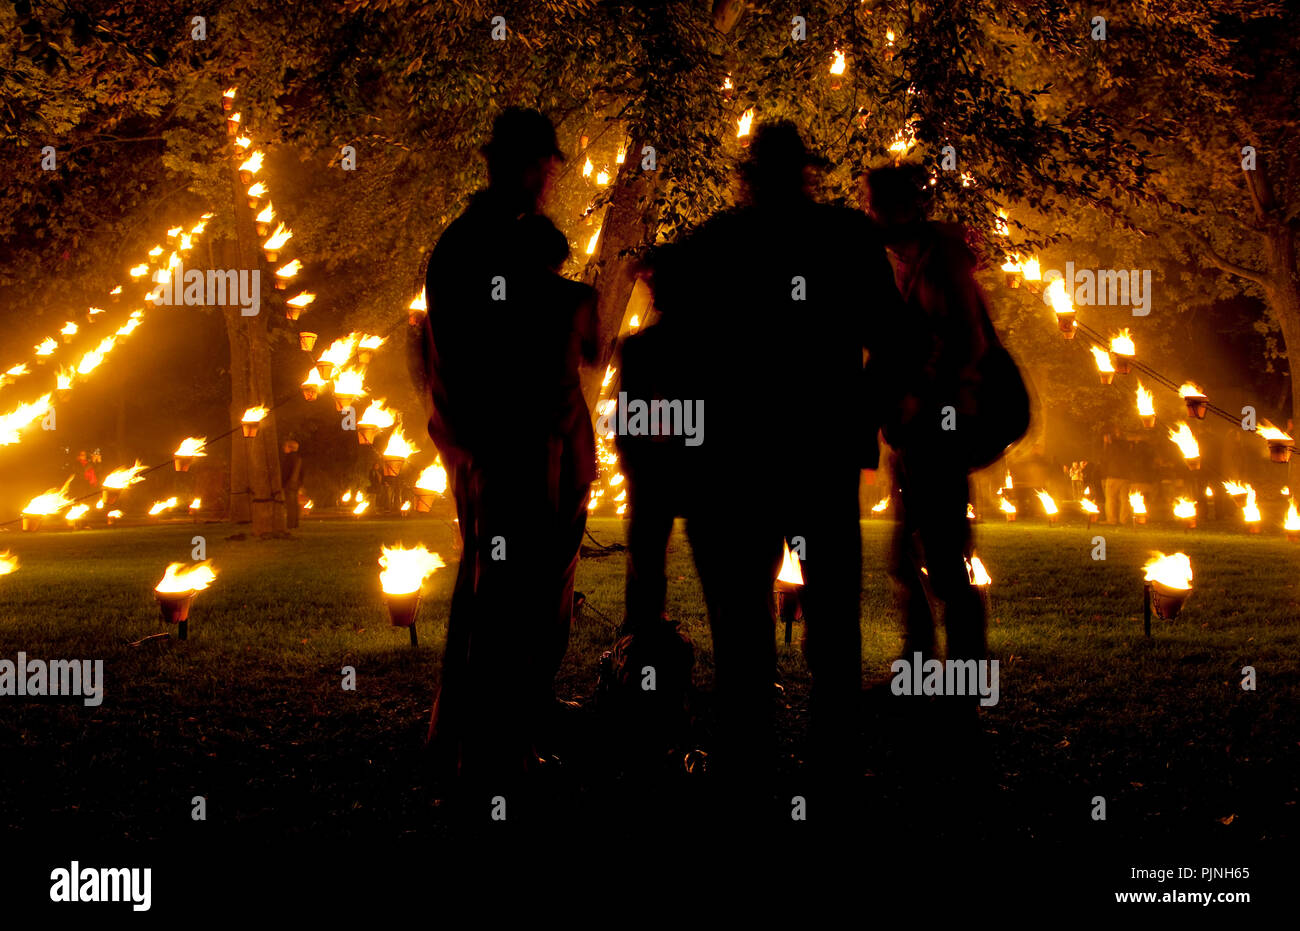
(249, 713)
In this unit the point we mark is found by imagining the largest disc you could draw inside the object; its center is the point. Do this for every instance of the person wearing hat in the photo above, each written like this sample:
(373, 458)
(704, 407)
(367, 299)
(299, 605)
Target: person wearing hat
(767, 310)
(509, 421)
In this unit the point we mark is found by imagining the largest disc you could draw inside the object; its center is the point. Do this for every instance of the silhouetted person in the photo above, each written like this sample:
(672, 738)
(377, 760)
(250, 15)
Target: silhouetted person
(766, 310)
(1117, 469)
(935, 274)
(291, 481)
(502, 340)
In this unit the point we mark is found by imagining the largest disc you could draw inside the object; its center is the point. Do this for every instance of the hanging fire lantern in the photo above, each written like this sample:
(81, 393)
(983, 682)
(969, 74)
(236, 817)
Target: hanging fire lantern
(1167, 585)
(429, 486)
(416, 310)
(228, 99)
(1122, 352)
(271, 248)
(263, 219)
(285, 273)
(348, 387)
(252, 420)
(306, 341)
(176, 591)
(118, 480)
(312, 384)
(1063, 307)
(113, 517)
(251, 166)
(1146, 406)
(404, 572)
(1105, 370)
(1279, 443)
(1197, 402)
(376, 418)
(1187, 445)
(232, 124)
(366, 348)
(396, 453)
(189, 450)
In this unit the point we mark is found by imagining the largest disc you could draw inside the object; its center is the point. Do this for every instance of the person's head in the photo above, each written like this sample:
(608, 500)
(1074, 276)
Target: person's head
(898, 198)
(778, 168)
(290, 446)
(81, 456)
(522, 155)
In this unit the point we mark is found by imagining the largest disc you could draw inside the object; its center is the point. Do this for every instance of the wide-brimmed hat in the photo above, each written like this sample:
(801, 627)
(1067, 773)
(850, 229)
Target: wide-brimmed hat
(778, 146)
(522, 134)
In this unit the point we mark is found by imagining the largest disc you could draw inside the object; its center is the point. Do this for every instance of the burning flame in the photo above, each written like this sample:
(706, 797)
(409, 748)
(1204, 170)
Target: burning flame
(970, 511)
(370, 342)
(289, 269)
(181, 579)
(1250, 510)
(1145, 401)
(1103, 360)
(47, 346)
(587, 168)
(191, 446)
(254, 414)
(301, 300)
(313, 379)
(340, 350)
(22, 416)
(69, 329)
(1184, 508)
(377, 415)
(398, 447)
(790, 572)
(124, 478)
(1122, 344)
(1137, 503)
(362, 505)
(1007, 485)
(196, 504)
(8, 563)
(1170, 571)
(76, 513)
(128, 328)
(1270, 432)
(1185, 441)
(1006, 506)
(602, 178)
(348, 383)
(1189, 390)
(51, 502)
(1049, 505)
(1236, 488)
(114, 515)
(743, 124)
(419, 303)
(278, 238)
(64, 379)
(1060, 301)
(257, 189)
(138, 271)
(92, 359)
(880, 505)
(160, 506)
(1292, 524)
(267, 214)
(347, 496)
(591, 243)
(979, 576)
(253, 163)
(1088, 507)
(839, 64)
(404, 571)
(433, 478)
(1031, 270)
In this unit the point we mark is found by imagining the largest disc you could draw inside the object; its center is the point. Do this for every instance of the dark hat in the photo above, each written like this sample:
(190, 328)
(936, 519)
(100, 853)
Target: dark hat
(777, 145)
(522, 134)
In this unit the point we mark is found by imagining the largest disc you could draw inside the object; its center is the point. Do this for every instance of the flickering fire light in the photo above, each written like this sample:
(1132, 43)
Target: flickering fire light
(1063, 307)
(1122, 351)
(139, 271)
(1105, 370)
(119, 479)
(1089, 508)
(1185, 510)
(1168, 582)
(90, 361)
(128, 328)
(362, 505)
(979, 576)
(69, 330)
(1007, 508)
(175, 593)
(1250, 512)
(252, 420)
(591, 243)
(1279, 443)
(398, 450)
(587, 168)
(1049, 506)
(276, 242)
(366, 348)
(336, 356)
(791, 573)
(742, 125)
(1146, 403)
(47, 346)
(22, 416)
(76, 513)
(8, 563)
(417, 309)
(250, 166)
(376, 418)
(312, 384)
(839, 64)
(348, 387)
(285, 272)
(1236, 489)
(1187, 445)
(1031, 270)
(430, 483)
(43, 505)
(1196, 400)
(159, 506)
(403, 574)
(190, 449)
(1292, 523)
(1138, 505)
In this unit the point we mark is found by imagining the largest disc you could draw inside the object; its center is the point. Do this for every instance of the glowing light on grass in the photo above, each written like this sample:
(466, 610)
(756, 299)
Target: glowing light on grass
(404, 570)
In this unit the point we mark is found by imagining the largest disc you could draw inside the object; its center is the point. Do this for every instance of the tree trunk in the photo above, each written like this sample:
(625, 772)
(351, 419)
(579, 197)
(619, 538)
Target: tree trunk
(613, 274)
(255, 491)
